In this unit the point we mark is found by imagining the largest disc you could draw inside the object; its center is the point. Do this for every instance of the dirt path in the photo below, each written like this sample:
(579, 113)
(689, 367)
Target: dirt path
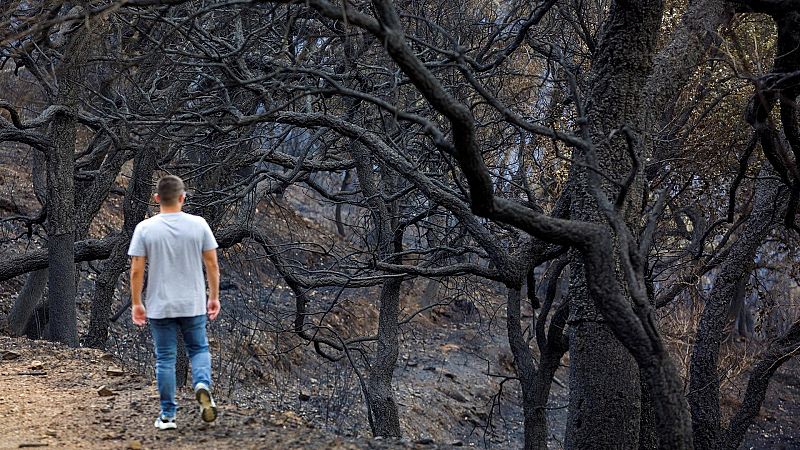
(49, 398)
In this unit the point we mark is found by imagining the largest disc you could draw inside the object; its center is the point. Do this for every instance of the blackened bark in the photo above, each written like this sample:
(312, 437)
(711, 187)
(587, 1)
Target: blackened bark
(543, 381)
(648, 436)
(135, 208)
(523, 362)
(678, 60)
(385, 416)
(62, 326)
(380, 395)
(103, 295)
(27, 301)
(635, 326)
(551, 353)
(604, 382)
(603, 374)
(346, 180)
(32, 292)
(87, 250)
(704, 379)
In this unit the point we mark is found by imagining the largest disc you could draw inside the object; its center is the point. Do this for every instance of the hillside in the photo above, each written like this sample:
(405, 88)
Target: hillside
(276, 392)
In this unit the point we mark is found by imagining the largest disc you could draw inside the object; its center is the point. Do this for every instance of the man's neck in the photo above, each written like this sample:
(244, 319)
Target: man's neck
(169, 209)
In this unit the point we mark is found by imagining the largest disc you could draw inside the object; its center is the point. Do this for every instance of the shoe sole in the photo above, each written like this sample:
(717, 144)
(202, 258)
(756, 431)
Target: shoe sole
(170, 426)
(208, 412)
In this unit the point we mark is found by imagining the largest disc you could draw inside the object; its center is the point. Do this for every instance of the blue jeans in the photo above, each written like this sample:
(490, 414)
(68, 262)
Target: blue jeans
(165, 341)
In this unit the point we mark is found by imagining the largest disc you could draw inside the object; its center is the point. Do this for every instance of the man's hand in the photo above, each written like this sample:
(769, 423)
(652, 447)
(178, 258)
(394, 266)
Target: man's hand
(213, 308)
(138, 315)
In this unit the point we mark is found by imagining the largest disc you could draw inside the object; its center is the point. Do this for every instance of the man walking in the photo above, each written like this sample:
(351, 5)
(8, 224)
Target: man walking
(175, 246)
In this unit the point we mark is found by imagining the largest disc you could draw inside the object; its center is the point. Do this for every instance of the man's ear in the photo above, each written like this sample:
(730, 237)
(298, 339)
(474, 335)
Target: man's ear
(182, 198)
(157, 198)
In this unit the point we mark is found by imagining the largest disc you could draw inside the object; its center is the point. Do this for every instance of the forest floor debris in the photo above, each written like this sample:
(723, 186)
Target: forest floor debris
(70, 407)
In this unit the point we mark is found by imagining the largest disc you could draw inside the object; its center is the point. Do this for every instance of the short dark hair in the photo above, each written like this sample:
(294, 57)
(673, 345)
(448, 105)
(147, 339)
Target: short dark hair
(170, 188)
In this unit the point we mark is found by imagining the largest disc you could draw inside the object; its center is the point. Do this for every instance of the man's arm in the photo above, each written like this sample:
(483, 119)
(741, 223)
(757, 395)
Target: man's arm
(212, 274)
(138, 313)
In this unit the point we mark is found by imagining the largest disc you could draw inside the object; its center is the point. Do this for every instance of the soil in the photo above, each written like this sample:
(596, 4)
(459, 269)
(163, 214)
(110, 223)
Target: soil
(778, 424)
(50, 398)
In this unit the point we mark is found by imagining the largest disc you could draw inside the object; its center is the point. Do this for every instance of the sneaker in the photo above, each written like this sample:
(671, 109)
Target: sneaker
(165, 423)
(208, 409)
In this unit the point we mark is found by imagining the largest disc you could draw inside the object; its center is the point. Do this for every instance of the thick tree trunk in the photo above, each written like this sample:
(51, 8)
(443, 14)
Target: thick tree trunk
(103, 295)
(605, 394)
(62, 325)
(648, 435)
(62, 322)
(604, 381)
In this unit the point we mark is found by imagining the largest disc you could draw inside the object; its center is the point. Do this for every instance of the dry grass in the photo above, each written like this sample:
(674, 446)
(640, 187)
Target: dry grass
(736, 357)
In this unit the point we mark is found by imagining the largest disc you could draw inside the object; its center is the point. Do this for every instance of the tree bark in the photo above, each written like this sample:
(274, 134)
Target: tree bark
(523, 362)
(86, 250)
(27, 301)
(603, 374)
(380, 395)
(386, 418)
(136, 201)
(103, 295)
(62, 325)
(551, 353)
(32, 292)
(704, 379)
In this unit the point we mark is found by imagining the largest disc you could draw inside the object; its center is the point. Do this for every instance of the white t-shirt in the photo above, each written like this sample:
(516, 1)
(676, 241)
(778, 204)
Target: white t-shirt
(173, 244)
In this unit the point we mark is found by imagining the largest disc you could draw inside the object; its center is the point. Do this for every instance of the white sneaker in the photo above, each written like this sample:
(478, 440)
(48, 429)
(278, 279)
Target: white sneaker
(208, 408)
(165, 423)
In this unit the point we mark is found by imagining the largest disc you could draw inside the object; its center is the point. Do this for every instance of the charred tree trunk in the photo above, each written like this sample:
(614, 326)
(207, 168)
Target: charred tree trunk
(543, 381)
(648, 435)
(380, 395)
(135, 208)
(19, 319)
(605, 393)
(26, 302)
(385, 416)
(523, 362)
(62, 325)
(103, 295)
(704, 380)
(552, 347)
